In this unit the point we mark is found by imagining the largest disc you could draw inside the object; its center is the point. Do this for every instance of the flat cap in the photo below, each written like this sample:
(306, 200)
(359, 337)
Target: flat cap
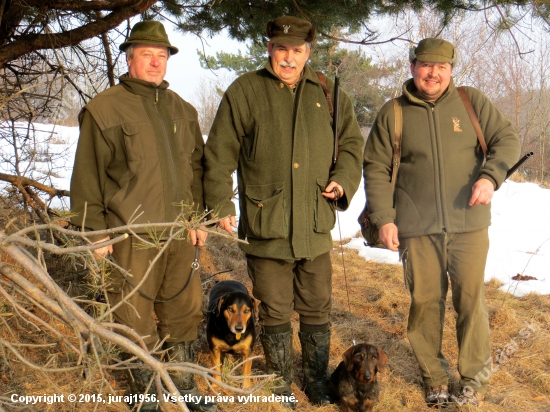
(434, 50)
(149, 32)
(290, 30)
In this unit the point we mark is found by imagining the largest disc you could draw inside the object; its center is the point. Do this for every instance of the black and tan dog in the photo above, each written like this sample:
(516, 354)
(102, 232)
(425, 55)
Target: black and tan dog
(353, 382)
(230, 324)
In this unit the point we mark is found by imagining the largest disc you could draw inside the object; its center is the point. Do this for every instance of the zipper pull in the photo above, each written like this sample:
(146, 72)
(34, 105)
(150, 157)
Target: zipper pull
(175, 127)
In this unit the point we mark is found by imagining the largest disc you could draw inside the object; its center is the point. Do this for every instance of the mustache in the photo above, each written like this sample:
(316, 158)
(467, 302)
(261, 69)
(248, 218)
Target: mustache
(285, 64)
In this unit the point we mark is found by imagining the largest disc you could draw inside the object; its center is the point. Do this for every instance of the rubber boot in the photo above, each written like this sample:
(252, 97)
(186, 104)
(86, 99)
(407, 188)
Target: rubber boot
(185, 381)
(138, 380)
(279, 360)
(315, 354)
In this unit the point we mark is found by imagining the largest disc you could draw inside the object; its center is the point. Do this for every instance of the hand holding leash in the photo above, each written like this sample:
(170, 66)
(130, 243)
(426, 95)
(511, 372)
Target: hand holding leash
(333, 191)
(198, 236)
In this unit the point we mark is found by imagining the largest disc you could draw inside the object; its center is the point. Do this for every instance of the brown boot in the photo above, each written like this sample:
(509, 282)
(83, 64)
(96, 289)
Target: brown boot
(470, 398)
(437, 396)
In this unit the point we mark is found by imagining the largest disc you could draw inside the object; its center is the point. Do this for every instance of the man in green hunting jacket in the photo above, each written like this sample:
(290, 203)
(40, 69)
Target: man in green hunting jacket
(440, 213)
(274, 126)
(140, 151)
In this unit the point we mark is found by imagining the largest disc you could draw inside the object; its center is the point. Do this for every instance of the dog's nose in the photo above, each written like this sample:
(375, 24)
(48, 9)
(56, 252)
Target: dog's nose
(239, 328)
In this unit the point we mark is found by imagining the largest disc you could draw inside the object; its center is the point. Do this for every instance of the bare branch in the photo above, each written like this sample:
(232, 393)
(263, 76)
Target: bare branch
(31, 42)
(366, 42)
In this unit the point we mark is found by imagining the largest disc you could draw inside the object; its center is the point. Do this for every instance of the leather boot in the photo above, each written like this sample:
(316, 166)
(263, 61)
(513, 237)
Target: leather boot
(138, 380)
(315, 354)
(279, 360)
(185, 381)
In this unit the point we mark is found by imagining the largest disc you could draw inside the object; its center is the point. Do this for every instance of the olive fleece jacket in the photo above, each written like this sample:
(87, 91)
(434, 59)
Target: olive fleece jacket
(140, 146)
(440, 161)
(281, 145)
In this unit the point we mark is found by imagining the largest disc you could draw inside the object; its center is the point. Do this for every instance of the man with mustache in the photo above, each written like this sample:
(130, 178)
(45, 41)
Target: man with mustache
(439, 213)
(274, 126)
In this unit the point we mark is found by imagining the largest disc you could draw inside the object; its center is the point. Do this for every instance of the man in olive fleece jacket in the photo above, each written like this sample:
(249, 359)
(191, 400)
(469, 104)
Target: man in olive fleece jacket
(439, 215)
(140, 151)
(274, 126)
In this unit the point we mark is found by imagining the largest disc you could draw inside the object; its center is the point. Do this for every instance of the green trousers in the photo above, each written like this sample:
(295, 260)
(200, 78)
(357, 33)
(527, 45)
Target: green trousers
(304, 286)
(179, 317)
(429, 262)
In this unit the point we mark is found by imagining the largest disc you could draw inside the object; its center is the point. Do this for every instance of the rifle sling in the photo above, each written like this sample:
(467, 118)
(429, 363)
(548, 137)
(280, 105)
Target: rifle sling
(473, 118)
(398, 115)
(323, 81)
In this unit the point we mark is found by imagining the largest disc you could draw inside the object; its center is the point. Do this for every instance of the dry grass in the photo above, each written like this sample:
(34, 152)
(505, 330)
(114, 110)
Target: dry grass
(377, 313)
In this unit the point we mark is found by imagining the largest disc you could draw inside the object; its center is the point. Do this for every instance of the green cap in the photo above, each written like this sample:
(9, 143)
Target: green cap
(434, 50)
(290, 30)
(149, 32)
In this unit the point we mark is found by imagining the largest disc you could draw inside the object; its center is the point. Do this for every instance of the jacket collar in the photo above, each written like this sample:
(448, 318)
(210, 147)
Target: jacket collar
(142, 87)
(409, 91)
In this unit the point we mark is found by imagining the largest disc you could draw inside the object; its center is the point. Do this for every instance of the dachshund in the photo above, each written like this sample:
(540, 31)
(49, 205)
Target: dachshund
(353, 382)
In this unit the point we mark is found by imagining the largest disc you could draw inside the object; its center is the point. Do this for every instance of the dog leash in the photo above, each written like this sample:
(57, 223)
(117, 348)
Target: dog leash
(194, 267)
(336, 197)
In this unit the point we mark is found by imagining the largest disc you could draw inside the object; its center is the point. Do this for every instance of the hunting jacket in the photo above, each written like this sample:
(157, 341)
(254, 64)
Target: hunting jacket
(441, 159)
(140, 146)
(281, 144)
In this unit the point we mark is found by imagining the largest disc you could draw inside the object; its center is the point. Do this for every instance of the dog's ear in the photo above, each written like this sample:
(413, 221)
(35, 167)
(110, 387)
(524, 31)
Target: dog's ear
(220, 303)
(382, 360)
(347, 356)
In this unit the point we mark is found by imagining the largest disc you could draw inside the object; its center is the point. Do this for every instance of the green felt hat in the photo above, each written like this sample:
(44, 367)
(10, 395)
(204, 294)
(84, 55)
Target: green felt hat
(149, 32)
(434, 50)
(290, 30)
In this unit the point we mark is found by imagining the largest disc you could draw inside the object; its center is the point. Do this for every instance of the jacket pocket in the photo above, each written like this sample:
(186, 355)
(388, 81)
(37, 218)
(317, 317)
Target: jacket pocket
(325, 210)
(265, 211)
(132, 142)
(251, 143)
(184, 132)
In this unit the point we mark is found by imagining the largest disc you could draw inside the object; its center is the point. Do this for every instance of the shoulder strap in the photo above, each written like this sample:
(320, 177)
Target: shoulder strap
(321, 77)
(473, 118)
(398, 114)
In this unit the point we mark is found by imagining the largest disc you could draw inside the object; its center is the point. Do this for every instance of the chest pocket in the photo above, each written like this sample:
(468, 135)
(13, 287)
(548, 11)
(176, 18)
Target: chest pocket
(183, 132)
(139, 140)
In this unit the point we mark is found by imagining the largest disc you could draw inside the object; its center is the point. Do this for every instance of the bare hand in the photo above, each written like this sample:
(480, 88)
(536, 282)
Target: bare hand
(482, 192)
(388, 236)
(329, 192)
(199, 235)
(105, 251)
(227, 223)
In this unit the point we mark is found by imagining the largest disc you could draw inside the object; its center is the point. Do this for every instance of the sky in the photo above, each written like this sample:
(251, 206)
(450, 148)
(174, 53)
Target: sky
(519, 234)
(184, 70)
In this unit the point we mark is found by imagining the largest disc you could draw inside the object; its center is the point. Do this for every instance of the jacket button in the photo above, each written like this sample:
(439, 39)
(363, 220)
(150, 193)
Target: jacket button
(318, 104)
(281, 85)
(296, 165)
(260, 205)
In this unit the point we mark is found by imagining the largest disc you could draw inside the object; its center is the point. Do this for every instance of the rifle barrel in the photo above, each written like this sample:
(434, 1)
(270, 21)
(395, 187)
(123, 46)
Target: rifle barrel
(518, 164)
